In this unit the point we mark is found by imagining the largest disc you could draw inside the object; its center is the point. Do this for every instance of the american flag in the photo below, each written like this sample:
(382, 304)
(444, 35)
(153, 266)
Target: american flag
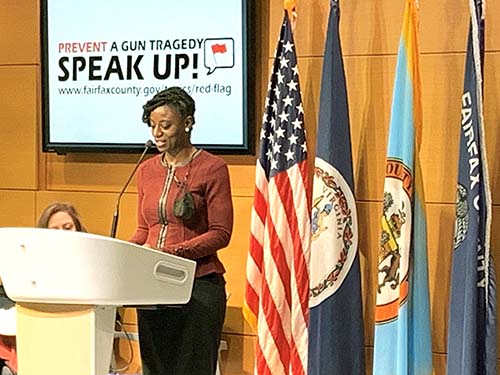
(276, 300)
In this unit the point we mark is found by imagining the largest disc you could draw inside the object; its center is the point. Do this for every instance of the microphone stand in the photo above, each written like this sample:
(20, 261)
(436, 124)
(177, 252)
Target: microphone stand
(116, 214)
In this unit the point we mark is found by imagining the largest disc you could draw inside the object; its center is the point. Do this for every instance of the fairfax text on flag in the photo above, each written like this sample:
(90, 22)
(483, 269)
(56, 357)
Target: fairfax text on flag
(472, 335)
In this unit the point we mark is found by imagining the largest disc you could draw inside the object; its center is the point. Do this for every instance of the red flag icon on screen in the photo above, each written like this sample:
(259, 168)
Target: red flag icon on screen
(219, 48)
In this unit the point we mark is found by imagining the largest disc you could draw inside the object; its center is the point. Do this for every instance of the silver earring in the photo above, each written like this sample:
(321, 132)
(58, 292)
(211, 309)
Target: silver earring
(187, 129)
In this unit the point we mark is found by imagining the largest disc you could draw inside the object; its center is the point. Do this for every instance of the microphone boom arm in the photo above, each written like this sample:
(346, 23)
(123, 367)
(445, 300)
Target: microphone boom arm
(114, 223)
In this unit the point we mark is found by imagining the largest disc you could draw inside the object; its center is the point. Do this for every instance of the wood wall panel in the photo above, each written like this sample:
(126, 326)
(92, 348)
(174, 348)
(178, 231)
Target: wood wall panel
(90, 172)
(439, 363)
(109, 172)
(440, 232)
(495, 251)
(373, 28)
(242, 178)
(492, 42)
(238, 359)
(370, 28)
(234, 321)
(128, 315)
(19, 40)
(366, 27)
(369, 214)
(492, 118)
(442, 86)
(368, 360)
(19, 127)
(234, 256)
(451, 19)
(369, 85)
(17, 208)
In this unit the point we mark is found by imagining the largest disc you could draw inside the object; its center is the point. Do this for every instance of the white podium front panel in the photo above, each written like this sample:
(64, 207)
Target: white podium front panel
(64, 267)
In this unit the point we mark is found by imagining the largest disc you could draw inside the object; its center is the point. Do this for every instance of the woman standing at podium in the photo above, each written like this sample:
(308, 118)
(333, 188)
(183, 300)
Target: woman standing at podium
(184, 209)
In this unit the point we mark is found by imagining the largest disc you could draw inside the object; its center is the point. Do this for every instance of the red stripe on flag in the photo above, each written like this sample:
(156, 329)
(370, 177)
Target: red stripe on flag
(256, 252)
(260, 201)
(252, 292)
(261, 363)
(280, 258)
(297, 365)
(275, 324)
(299, 259)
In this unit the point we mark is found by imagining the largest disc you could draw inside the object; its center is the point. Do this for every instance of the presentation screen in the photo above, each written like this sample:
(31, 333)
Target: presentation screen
(102, 60)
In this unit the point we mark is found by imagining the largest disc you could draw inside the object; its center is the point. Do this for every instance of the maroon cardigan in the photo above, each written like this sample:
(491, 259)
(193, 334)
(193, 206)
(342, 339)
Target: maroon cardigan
(206, 176)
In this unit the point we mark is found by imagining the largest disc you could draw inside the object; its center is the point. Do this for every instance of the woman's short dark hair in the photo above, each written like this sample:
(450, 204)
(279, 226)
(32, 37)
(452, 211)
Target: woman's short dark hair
(43, 221)
(174, 97)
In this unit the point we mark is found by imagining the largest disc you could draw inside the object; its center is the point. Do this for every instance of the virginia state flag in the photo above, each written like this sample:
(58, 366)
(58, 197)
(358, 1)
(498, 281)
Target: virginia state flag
(472, 335)
(336, 338)
(402, 323)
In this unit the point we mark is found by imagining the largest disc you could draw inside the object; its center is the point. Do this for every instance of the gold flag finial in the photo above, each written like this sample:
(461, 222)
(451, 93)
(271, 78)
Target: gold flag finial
(289, 6)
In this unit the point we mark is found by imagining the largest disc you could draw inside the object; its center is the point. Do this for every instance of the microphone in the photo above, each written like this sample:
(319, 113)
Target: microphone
(114, 224)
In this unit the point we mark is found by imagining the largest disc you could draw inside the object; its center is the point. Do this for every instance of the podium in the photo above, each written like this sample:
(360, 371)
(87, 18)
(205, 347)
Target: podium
(67, 286)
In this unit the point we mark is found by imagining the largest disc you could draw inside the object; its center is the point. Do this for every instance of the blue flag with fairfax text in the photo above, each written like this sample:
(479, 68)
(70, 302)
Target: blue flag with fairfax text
(336, 338)
(402, 343)
(472, 332)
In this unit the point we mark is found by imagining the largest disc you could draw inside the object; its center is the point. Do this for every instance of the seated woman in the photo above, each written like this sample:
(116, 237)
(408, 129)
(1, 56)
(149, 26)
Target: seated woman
(61, 216)
(56, 216)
